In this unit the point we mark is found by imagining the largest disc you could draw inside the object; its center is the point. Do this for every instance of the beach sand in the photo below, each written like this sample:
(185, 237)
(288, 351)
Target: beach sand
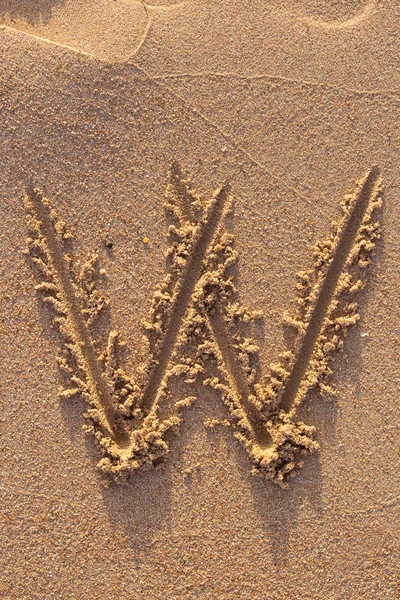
(288, 103)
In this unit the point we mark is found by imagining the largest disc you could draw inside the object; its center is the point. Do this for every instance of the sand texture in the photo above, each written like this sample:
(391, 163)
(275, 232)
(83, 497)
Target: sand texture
(199, 372)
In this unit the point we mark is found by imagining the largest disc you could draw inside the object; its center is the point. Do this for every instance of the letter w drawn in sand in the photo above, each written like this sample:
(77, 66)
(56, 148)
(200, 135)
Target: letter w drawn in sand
(200, 334)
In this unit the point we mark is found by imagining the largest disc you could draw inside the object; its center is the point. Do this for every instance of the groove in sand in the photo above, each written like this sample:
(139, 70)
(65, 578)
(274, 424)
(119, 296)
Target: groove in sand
(191, 275)
(83, 345)
(234, 369)
(344, 246)
(237, 378)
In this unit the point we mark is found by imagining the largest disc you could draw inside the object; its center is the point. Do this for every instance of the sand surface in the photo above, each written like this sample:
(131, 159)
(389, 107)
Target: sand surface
(288, 103)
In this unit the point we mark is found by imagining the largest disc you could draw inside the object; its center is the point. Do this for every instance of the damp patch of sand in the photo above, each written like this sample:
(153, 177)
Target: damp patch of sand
(111, 31)
(327, 13)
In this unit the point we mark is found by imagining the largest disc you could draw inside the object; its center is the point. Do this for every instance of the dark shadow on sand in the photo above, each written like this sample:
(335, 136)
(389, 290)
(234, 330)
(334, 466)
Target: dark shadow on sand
(31, 11)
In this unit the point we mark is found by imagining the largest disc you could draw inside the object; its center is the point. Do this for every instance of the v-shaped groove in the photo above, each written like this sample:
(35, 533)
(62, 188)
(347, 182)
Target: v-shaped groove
(234, 371)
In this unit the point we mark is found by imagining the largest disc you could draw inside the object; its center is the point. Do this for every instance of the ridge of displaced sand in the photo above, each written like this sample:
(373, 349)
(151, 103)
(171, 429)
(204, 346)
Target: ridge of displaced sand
(199, 332)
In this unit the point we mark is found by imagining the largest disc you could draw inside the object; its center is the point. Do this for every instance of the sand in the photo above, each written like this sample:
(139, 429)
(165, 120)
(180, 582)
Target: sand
(185, 416)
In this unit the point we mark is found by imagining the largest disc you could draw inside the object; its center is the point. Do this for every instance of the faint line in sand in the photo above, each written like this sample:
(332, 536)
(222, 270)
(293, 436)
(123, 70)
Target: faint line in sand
(334, 24)
(339, 25)
(78, 50)
(277, 78)
(156, 79)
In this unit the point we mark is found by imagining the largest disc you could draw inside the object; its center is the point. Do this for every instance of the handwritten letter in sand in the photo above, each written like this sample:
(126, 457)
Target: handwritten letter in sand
(198, 332)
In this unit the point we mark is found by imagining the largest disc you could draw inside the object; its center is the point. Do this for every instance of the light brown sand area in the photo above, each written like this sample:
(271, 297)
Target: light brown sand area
(115, 31)
(108, 30)
(327, 13)
(292, 110)
(303, 45)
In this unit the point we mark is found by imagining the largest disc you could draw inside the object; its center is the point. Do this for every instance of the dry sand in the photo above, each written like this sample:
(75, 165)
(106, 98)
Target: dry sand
(289, 103)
